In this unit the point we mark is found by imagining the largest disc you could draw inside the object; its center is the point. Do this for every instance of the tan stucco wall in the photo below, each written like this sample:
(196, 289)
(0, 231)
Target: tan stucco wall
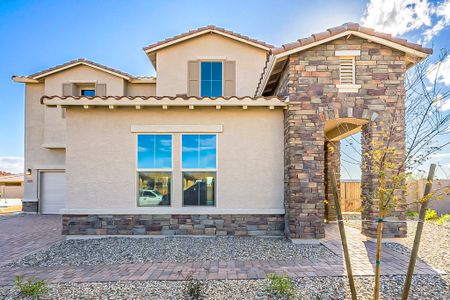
(37, 157)
(172, 63)
(115, 86)
(101, 157)
(141, 89)
(55, 126)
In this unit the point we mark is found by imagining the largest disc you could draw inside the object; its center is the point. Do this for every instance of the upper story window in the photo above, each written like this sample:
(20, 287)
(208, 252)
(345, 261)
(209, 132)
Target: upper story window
(154, 168)
(85, 89)
(211, 75)
(88, 92)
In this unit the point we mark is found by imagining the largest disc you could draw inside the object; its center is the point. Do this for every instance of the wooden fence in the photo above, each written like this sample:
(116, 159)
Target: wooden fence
(351, 195)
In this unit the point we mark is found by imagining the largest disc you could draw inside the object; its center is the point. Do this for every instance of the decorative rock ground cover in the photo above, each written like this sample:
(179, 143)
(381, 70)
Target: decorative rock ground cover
(170, 249)
(424, 287)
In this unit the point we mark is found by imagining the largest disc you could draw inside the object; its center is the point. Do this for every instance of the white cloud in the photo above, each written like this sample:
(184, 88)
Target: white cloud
(11, 164)
(440, 155)
(397, 16)
(442, 12)
(440, 72)
(440, 103)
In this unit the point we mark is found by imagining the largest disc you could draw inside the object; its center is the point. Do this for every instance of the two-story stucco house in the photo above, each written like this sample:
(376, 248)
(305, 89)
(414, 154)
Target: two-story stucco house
(232, 137)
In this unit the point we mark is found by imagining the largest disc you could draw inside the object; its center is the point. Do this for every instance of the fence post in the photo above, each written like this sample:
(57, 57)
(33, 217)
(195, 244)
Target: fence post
(415, 249)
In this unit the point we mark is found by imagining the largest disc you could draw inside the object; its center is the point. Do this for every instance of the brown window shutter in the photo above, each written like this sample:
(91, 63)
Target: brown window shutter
(100, 89)
(68, 89)
(229, 84)
(193, 78)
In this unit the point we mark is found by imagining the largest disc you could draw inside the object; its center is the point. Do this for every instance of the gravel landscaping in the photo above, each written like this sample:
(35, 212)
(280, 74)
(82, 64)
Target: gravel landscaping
(170, 249)
(424, 287)
(434, 244)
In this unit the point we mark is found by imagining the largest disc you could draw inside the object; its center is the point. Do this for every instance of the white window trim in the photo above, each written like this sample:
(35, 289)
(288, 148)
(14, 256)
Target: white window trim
(216, 170)
(349, 54)
(200, 74)
(176, 128)
(137, 170)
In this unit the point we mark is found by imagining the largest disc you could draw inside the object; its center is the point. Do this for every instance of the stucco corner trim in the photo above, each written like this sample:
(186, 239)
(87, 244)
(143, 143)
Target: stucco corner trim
(176, 128)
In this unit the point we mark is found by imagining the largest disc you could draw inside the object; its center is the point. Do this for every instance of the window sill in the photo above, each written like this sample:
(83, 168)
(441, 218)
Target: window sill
(199, 210)
(348, 88)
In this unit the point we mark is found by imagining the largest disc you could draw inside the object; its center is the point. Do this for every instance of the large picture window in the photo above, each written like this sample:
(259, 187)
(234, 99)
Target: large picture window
(211, 79)
(199, 165)
(154, 163)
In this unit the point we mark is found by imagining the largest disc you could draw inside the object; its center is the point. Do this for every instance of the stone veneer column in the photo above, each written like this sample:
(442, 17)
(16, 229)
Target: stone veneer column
(332, 163)
(304, 168)
(374, 138)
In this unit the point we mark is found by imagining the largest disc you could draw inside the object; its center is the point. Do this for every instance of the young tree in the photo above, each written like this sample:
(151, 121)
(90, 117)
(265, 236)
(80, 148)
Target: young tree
(425, 123)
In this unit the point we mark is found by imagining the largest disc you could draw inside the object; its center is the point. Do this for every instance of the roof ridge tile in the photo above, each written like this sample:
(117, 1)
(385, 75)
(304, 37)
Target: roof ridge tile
(80, 60)
(206, 28)
(349, 26)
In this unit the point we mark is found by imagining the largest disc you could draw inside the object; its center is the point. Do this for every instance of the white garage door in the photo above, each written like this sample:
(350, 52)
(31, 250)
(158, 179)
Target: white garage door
(53, 192)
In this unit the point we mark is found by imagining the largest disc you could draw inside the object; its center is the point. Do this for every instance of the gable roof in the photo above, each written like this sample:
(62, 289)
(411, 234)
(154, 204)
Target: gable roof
(76, 62)
(352, 28)
(278, 56)
(204, 30)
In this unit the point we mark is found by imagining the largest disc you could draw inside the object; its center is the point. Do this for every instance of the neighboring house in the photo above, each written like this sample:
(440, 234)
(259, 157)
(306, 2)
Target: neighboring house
(232, 137)
(11, 192)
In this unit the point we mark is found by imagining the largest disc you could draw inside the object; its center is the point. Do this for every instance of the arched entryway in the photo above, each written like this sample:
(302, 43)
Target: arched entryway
(338, 129)
(335, 131)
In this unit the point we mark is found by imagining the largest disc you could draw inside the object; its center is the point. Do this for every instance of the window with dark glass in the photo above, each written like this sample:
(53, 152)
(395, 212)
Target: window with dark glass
(199, 165)
(154, 164)
(88, 93)
(211, 79)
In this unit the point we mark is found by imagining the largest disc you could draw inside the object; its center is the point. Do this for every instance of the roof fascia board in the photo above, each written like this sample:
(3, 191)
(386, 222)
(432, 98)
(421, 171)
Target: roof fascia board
(202, 33)
(361, 35)
(23, 79)
(265, 79)
(81, 63)
(147, 80)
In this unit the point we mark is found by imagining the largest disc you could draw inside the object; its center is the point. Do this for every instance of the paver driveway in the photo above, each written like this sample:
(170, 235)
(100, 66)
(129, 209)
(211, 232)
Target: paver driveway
(23, 234)
(27, 233)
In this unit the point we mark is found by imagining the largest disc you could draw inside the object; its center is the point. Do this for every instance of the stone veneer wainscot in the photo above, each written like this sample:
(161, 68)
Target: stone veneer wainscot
(220, 225)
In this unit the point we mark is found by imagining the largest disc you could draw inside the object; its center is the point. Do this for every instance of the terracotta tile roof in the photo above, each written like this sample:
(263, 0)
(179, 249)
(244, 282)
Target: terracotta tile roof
(345, 27)
(12, 178)
(162, 101)
(80, 61)
(3, 173)
(206, 29)
(158, 98)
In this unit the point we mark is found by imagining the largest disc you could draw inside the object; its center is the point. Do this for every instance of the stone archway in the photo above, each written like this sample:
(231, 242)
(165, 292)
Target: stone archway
(336, 130)
(339, 128)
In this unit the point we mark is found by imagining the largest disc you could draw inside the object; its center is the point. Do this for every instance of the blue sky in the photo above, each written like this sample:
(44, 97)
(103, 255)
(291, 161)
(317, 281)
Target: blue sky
(40, 34)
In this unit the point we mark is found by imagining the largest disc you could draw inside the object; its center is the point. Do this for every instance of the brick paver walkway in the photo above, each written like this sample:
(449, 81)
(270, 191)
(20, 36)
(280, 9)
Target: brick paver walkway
(24, 234)
(362, 253)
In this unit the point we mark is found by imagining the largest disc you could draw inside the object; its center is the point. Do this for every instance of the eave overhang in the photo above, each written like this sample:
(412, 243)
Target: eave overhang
(138, 102)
